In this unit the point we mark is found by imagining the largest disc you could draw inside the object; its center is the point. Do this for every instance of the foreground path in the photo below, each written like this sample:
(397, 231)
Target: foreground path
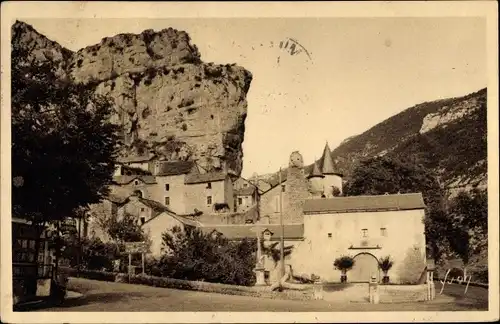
(116, 297)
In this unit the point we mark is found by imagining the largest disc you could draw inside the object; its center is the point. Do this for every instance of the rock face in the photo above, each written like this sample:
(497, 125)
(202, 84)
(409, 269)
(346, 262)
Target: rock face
(167, 99)
(448, 136)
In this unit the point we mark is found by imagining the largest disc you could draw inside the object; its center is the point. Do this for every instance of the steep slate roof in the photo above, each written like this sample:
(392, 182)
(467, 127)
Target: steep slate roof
(252, 184)
(364, 203)
(316, 172)
(239, 232)
(137, 158)
(125, 179)
(326, 162)
(204, 177)
(181, 219)
(170, 168)
(154, 205)
(248, 191)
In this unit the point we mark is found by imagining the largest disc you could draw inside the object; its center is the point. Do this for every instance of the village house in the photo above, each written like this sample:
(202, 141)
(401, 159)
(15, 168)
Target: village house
(208, 192)
(161, 223)
(246, 193)
(140, 162)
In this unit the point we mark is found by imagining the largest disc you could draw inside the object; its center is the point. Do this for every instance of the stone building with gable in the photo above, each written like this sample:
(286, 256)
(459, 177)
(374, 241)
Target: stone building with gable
(366, 228)
(297, 184)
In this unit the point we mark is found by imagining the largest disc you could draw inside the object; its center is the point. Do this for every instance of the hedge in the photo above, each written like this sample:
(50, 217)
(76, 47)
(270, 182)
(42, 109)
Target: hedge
(163, 282)
(94, 275)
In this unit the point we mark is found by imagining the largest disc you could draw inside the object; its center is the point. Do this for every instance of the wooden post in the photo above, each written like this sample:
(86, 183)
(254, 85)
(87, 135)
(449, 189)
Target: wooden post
(129, 265)
(142, 255)
(282, 248)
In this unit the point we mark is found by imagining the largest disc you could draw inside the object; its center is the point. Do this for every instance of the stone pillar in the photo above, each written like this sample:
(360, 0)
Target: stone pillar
(373, 290)
(317, 289)
(259, 266)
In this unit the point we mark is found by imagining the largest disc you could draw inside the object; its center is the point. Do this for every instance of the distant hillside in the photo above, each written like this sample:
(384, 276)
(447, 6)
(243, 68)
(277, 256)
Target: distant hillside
(448, 136)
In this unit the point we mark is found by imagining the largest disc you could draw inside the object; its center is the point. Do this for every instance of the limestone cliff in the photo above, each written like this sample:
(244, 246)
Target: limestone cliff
(167, 99)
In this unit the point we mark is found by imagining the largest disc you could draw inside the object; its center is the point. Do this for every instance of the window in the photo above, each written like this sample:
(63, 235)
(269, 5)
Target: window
(136, 182)
(143, 220)
(240, 201)
(209, 185)
(329, 235)
(209, 200)
(245, 185)
(167, 187)
(364, 232)
(283, 188)
(138, 193)
(167, 201)
(383, 231)
(142, 209)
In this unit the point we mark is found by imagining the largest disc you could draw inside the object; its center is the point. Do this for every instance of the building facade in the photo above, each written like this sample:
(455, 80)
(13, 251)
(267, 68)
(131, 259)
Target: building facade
(366, 228)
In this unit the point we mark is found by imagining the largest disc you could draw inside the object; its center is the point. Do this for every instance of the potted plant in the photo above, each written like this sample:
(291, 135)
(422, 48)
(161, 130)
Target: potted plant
(385, 264)
(344, 264)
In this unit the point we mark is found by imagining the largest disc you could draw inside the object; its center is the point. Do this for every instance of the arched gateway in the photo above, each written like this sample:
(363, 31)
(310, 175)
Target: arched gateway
(365, 265)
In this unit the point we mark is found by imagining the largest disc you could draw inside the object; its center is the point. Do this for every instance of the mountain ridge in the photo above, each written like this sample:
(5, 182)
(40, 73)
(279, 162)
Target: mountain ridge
(446, 135)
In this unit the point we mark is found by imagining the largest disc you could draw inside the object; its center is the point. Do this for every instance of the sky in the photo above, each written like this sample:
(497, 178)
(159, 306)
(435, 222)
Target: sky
(351, 74)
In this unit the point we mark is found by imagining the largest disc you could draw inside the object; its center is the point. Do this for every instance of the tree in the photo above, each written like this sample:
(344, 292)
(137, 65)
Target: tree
(469, 229)
(191, 254)
(381, 175)
(125, 229)
(63, 145)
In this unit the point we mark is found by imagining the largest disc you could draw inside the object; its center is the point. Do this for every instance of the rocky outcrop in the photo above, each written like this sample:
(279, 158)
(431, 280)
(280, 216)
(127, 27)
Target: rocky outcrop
(167, 99)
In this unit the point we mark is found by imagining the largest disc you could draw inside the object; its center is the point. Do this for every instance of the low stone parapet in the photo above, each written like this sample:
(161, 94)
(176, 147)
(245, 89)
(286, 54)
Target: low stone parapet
(402, 293)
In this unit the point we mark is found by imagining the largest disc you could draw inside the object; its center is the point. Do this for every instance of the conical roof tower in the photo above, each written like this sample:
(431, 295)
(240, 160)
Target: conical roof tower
(316, 172)
(327, 161)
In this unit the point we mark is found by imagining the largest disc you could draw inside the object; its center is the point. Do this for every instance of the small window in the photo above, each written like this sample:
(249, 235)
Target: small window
(167, 201)
(142, 209)
(245, 185)
(240, 201)
(364, 232)
(167, 187)
(283, 188)
(209, 200)
(329, 235)
(383, 231)
(143, 220)
(209, 185)
(136, 182)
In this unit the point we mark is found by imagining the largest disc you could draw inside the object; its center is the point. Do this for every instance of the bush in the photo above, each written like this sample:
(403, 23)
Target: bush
(94, 254)
(190, 285)
(194, 255)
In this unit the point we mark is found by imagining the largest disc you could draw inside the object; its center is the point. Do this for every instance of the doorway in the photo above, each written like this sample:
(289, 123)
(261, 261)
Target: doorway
(365, 265)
